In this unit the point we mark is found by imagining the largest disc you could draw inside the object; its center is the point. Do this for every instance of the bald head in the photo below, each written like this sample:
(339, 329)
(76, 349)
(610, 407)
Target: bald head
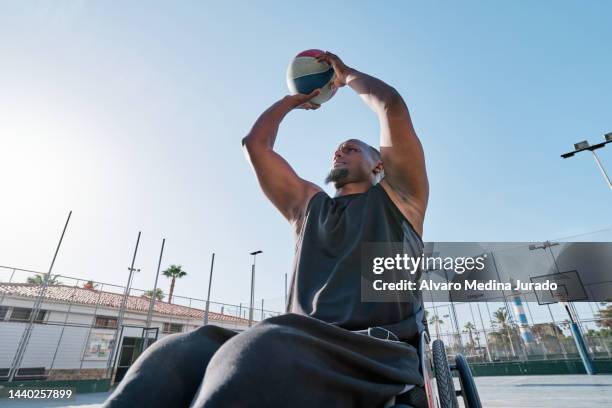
(355, 161)
(371, 150)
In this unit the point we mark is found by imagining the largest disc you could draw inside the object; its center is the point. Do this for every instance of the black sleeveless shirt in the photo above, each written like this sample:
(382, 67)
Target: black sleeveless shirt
(326, 281)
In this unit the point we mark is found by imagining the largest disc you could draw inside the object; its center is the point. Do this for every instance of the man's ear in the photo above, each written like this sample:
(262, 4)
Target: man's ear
(378, 169)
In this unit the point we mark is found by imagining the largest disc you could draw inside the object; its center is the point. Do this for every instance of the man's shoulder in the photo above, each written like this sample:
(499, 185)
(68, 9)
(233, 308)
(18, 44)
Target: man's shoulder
(409, 208)
(312, 192)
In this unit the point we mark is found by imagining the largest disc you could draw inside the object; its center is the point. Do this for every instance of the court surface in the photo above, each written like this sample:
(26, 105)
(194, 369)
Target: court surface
(550, 391)
(545, 391)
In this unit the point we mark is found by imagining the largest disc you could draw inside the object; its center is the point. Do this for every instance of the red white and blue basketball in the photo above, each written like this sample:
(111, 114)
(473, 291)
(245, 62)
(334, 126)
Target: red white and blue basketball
(305, 74)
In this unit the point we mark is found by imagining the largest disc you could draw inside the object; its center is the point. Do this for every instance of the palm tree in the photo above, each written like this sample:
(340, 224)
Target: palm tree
(503, 318)
(174, 272)
(159, 294)
(38, 279)
(470, 328)
(436, 321)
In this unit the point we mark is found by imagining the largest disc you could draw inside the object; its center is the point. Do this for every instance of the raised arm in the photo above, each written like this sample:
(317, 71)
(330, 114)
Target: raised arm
(287, 191)
(402, 153)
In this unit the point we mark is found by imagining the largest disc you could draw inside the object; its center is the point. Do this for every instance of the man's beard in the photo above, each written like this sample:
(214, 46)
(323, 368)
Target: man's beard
(337, 176)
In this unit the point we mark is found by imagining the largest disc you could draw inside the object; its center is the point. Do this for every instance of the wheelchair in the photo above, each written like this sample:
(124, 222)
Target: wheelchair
(437, 375)
(438, 379)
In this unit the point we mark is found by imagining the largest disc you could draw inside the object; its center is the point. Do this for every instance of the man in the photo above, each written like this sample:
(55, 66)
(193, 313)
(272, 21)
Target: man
(330, 349)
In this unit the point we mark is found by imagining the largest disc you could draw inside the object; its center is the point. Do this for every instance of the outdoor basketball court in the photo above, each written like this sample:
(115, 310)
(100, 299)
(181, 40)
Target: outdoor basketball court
(546, 391)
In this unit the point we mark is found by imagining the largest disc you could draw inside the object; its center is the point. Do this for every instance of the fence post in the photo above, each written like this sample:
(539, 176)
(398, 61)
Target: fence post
(115, 347)
(154, 293)
(212, 264)
(27, 333)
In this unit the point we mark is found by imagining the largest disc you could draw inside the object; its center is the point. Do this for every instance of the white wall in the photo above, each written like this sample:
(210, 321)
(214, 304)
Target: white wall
(41, 347)
(71, 348)
(43, 343)
(9, 335)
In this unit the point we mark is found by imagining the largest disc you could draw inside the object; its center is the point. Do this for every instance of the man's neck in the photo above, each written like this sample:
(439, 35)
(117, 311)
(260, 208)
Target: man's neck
(353, 188)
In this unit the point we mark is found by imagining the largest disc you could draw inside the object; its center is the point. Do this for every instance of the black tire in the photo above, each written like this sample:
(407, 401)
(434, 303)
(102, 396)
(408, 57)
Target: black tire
(468, 386)
(444, 379)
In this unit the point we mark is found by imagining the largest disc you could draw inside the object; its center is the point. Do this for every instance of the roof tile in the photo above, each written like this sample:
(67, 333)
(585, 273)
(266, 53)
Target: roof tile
(63, 293)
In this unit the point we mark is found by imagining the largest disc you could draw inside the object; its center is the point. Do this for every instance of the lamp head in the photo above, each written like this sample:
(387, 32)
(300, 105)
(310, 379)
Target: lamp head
(581, 145)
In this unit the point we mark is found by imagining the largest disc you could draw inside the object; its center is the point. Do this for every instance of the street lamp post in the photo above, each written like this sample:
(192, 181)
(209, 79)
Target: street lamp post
(252, 303)
(584, 146)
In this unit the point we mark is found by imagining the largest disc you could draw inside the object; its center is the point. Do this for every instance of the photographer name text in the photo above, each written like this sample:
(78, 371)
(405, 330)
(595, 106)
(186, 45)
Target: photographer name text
(491, 285)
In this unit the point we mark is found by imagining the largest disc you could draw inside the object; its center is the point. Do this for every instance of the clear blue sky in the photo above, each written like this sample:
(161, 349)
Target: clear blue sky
(132, 117)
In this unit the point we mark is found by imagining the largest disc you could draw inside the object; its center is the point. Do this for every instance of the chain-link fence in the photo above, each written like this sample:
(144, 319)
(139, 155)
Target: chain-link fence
(524, 325)
(492, 332)
(73, 328)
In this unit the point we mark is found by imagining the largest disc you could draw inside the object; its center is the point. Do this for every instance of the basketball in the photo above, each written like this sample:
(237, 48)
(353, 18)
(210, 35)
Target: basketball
(305, 74)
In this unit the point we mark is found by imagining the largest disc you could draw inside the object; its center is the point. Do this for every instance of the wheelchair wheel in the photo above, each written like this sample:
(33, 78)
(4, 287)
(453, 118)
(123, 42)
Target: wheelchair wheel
(469, 392)
(444, 379)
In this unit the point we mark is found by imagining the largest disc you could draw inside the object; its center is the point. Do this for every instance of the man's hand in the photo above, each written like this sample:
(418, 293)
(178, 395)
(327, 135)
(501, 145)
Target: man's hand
(302, 101)
(340, 69)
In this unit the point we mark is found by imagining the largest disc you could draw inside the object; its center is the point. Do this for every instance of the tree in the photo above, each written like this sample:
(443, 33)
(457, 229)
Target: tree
(436, 321)
(174, 272)
(501, 318)
(159, 294)
(39, 280)
(506, 331)
(604, 318)
(90, 285)
(470, 328)
(547, 329)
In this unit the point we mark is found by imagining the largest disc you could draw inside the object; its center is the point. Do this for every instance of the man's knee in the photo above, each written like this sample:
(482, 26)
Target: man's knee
(212, 332)
(254, 356)
(256, 350)
(203, 339)
(183, 354)
(175, 363)
(258, 344)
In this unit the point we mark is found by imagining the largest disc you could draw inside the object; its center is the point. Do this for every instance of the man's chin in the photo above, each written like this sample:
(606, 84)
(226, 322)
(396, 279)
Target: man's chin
(338, 176)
